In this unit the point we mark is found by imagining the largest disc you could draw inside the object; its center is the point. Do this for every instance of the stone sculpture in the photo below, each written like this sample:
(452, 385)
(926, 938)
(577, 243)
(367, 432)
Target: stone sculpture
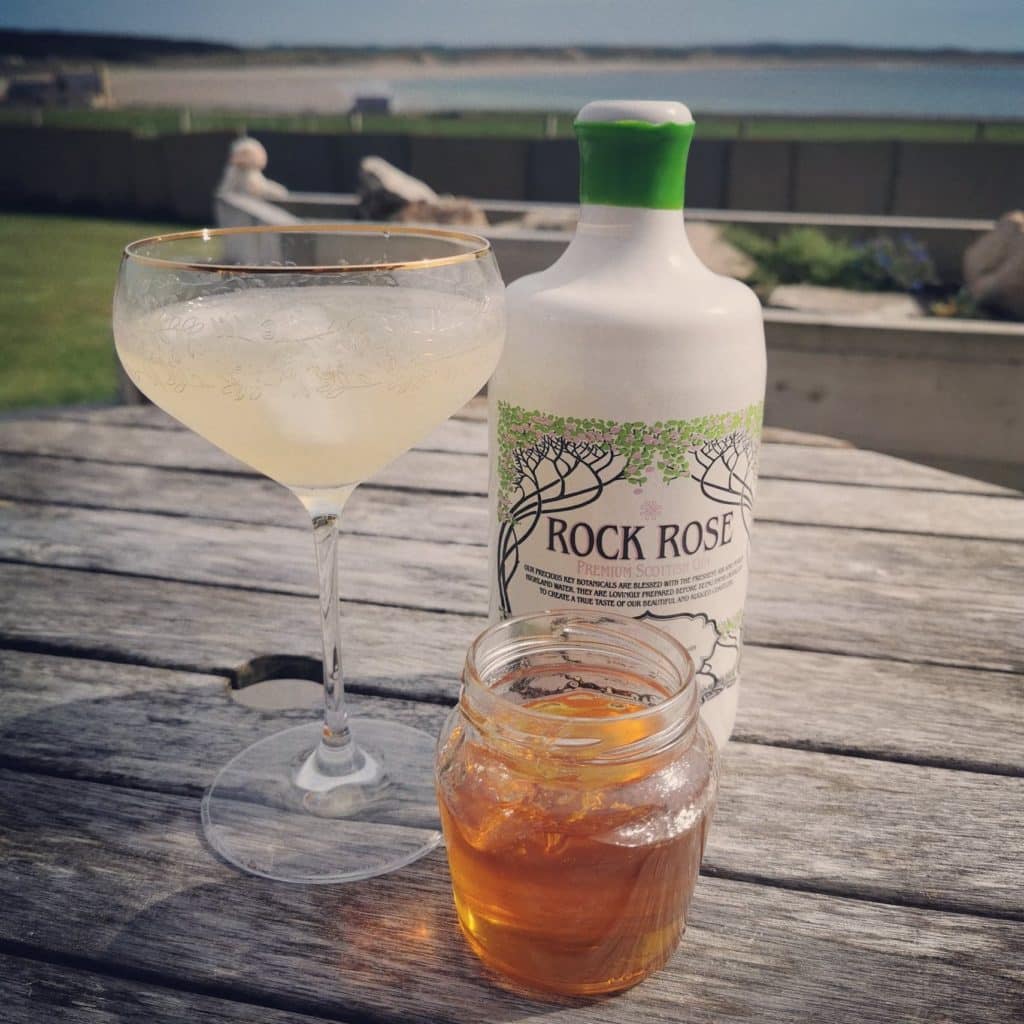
(994, 266)
(387, 193)
(244, 172)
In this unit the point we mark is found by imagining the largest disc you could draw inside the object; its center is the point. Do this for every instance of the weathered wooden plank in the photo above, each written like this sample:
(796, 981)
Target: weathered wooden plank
(217, 629)
(884, 557)
(113, 415)
(859, 617)
(257, 500)
(384, 570)
(148, 415)
(784, 455)
(465, 436)
(134, 726)
(144, 888)
(103, 442)
(932, 626)
(275, 558)
(879, 708)
(829, 816)
(782, 548)
(903, 511)
(35, 992)
(415, 652)
(866, 467)
(182, 449)
(790, 698)
(792, 501)
(872, 829)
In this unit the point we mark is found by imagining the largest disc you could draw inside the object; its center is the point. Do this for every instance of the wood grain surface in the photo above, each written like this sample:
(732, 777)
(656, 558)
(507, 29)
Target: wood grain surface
(414, 653)
(864, 865)
(852, 504)
(777, 820)
(149, 897)
(40, 991)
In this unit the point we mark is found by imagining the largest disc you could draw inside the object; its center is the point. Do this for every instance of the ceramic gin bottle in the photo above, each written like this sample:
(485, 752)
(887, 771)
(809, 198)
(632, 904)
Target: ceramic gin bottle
(626, 412)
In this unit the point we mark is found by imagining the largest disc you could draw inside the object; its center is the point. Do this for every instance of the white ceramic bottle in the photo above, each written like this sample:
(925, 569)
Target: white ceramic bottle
(626, 411)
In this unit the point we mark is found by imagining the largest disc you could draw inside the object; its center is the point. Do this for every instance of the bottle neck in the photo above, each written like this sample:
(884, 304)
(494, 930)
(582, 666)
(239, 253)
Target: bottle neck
(624, 221)
(633, 163)
(632, 190)
(621, 232)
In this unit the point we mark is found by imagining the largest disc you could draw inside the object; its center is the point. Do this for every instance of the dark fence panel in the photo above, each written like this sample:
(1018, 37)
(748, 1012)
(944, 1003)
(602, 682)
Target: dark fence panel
(194, 164)
(759, 175)
(553, 171)
(174, 176)
(59, 169)
(707, 174)
(488, 168)
(981, 179)
(843, 177)
(302, 160)
(19, 145)
(150, 178)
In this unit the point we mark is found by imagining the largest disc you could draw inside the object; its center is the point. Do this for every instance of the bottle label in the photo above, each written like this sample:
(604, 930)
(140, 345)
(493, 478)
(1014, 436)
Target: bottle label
(651, 520)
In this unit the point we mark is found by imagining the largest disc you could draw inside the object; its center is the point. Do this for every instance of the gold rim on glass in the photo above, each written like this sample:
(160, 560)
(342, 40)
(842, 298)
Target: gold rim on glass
(482, 248)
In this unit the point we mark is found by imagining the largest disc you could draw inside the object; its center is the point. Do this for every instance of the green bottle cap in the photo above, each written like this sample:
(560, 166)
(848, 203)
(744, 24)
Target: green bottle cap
(634, 162)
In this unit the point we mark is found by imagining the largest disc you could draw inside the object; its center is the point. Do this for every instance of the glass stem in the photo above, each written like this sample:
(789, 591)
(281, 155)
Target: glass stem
(337, 753)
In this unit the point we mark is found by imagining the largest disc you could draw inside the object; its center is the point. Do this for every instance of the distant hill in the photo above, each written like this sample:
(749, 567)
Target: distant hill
(41, 46)
(52, 45)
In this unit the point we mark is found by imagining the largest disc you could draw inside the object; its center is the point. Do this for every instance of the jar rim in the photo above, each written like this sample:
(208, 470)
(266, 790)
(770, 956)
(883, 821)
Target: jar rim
(602, 633)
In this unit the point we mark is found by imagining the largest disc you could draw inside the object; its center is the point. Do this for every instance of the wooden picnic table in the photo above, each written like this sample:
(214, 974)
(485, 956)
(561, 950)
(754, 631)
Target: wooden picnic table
(866, 859)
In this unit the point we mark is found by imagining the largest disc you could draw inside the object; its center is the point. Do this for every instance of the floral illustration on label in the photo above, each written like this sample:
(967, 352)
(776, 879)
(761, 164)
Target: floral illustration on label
(550, 466)
(714, 647)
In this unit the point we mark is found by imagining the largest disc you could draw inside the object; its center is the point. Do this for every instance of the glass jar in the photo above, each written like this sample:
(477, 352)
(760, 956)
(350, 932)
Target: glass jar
(576, 784)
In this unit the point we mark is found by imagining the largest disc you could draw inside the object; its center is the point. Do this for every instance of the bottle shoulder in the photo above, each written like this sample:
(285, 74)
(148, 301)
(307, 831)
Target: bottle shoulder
(610, 302)
(628, 298)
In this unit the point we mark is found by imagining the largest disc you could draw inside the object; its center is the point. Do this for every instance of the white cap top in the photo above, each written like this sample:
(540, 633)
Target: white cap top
(652, 111)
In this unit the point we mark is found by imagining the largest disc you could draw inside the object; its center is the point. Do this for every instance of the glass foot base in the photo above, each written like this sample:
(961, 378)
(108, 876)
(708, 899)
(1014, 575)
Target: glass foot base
(273, 811)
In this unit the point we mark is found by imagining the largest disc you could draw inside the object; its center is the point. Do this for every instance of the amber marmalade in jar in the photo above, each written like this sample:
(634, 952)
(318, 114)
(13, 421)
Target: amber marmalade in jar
(576, 786)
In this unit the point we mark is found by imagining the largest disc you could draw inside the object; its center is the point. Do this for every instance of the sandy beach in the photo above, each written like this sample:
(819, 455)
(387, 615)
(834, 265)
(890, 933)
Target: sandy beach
(330, 88)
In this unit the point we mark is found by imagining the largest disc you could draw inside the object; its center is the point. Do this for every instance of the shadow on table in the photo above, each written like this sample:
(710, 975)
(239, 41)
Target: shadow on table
(384, 947)
(152, 897)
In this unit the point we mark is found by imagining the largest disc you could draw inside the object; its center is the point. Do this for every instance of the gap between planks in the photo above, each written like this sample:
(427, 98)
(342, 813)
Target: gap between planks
(781, 500)
(136, 729)
(106, 443)
(48, 985)
(794, 692)
(876, 619)
(816, 949)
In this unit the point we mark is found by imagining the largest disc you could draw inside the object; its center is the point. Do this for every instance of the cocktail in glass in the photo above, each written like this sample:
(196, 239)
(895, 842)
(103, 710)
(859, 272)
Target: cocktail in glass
(316, 355)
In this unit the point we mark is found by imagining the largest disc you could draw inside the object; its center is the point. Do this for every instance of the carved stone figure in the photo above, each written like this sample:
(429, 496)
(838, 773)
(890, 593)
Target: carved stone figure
(994, 266)
(387, 193)
(244, 172)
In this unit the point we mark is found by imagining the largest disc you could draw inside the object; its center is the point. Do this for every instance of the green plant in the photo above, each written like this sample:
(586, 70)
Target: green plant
(901, 263)
(808, 255)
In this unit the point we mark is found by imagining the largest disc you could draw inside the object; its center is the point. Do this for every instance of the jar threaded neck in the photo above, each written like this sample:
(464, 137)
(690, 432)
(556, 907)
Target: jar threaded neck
(580, 685)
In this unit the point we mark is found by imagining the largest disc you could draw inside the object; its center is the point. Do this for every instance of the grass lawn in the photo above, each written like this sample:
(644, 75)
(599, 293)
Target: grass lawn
(58, 278)
(517, 125)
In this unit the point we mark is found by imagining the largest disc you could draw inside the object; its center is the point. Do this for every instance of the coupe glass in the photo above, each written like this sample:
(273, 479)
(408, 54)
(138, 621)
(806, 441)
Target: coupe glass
(316, 355)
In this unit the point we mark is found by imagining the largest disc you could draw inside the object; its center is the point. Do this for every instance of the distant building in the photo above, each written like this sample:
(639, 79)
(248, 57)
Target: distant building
(379, 103)
(74, 88)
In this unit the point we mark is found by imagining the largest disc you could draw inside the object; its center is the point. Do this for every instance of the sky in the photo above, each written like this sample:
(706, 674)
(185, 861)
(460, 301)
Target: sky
(976, 24)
